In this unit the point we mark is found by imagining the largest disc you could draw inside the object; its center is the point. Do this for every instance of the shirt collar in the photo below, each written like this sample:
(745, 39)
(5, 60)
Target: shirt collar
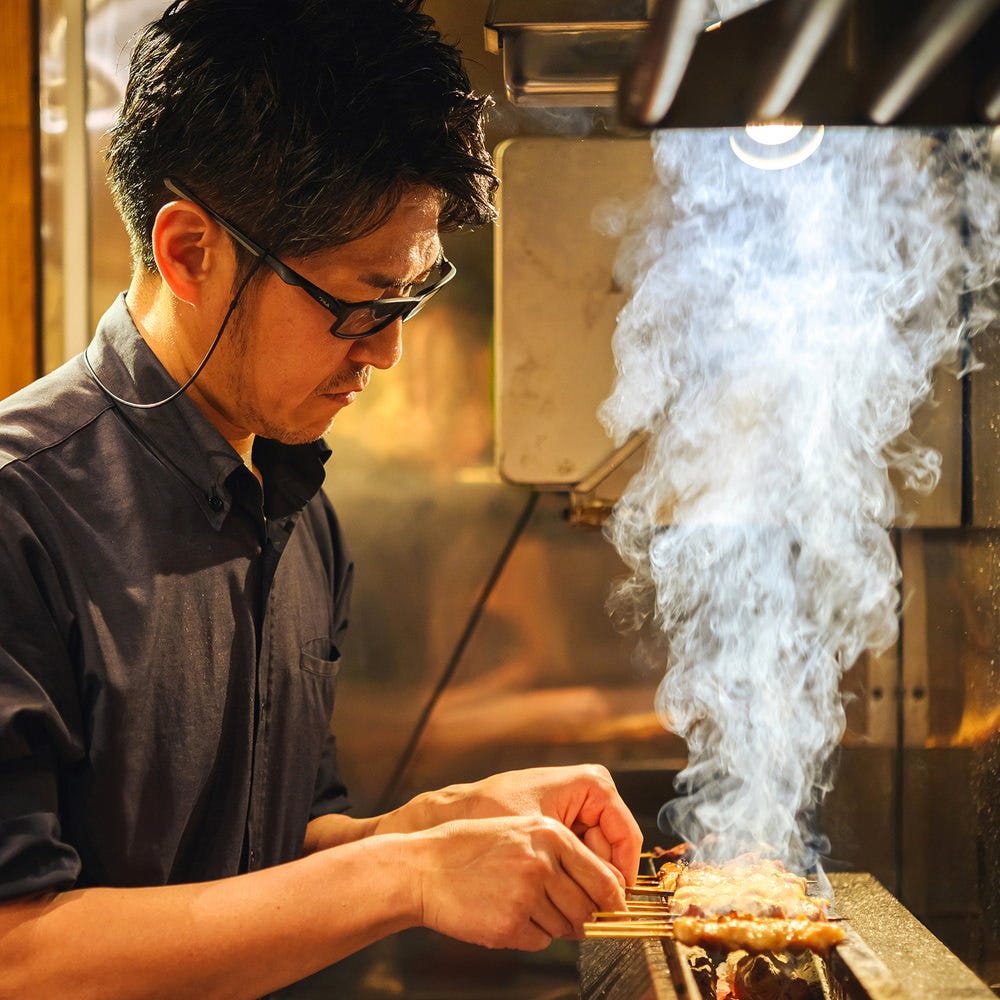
(180, 435)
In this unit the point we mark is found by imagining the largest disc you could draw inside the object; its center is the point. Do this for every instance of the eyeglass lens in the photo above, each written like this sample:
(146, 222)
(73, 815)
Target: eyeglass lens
(364, 320)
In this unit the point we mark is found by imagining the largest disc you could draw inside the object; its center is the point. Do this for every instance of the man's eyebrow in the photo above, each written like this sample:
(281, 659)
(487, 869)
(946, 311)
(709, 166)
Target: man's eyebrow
(379, 279)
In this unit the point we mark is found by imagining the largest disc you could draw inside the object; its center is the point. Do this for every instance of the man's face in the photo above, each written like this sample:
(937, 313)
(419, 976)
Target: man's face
(279, 372)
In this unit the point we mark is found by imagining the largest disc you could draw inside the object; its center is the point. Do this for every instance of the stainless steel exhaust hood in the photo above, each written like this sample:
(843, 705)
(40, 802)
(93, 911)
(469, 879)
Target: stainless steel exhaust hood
(676, 64)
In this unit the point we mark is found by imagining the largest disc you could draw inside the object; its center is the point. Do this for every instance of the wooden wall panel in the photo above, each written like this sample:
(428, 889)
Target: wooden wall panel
(19, 355)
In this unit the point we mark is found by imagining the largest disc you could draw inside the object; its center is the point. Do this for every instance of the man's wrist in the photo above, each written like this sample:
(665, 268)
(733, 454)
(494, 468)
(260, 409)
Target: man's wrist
(335, 829)
(427, 810)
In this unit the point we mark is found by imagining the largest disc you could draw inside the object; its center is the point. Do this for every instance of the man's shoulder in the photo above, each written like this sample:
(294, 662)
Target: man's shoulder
(48, 412)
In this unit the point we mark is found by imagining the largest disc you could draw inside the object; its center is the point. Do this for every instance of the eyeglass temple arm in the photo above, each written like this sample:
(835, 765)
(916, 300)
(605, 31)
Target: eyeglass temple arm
(286, 274)
(244, 241)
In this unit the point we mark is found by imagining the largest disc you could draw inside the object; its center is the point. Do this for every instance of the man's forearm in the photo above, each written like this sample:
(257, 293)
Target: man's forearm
(429, 809)
(234, 938)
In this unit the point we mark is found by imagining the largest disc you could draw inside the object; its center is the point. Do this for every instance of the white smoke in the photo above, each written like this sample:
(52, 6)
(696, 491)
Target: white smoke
(783, 326)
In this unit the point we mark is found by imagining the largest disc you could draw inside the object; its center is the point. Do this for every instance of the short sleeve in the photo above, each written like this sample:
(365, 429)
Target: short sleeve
(331, 792)
(38, 715)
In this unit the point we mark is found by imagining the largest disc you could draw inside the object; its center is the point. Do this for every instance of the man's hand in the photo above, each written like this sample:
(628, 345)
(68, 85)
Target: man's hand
(515, 882)
(582, 798)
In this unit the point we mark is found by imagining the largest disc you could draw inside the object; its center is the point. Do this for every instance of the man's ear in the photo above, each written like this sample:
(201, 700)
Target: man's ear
(190, 250)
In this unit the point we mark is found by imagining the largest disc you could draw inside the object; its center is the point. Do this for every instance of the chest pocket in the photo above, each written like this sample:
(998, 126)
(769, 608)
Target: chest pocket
(312, 689)
(302, 698)
(320, 657)
(319, 665)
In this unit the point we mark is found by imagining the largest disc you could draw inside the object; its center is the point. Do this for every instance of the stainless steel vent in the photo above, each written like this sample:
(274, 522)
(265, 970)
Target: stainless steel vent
(832, 62)
(565, 53)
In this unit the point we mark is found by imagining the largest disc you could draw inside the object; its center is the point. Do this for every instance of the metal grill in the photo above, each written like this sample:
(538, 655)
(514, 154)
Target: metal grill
(887, 955)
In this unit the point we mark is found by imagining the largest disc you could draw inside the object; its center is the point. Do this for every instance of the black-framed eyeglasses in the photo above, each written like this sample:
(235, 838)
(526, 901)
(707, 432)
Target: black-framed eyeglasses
(353, 320)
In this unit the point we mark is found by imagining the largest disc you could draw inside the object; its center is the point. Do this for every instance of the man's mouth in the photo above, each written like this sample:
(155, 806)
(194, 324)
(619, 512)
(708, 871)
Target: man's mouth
(344, 396)
(342, 390)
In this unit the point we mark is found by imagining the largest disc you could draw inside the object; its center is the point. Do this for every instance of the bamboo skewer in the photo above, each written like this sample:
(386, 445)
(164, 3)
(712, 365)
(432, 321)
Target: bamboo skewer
(628, 924)
(626, 930)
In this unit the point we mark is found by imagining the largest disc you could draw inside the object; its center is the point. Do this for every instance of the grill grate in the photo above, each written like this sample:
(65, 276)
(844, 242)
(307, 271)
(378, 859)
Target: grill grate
(887, 955)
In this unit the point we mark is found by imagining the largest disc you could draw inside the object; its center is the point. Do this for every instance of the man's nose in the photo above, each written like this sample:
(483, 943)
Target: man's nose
(380, 350)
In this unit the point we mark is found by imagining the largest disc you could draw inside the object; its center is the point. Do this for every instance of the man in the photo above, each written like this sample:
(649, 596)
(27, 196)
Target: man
(173, 583)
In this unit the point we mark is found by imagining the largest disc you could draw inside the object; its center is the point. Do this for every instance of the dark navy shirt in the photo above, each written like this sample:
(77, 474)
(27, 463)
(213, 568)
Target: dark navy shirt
(168, 635)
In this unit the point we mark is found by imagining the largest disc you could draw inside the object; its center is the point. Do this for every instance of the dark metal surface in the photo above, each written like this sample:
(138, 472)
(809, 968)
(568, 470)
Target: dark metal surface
(944, 27)
(617, 969)
(796, 53)
(881, 61)
(649, 87)
(859, 973)
(921, 965)
(847, 76)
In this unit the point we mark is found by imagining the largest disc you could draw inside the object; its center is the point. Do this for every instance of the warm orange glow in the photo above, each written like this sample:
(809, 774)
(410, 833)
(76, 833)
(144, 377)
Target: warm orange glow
(975, 729)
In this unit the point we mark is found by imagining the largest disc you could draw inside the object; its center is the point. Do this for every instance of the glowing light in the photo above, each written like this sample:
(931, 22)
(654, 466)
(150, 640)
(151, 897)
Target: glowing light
(773, 135)
(776, 147)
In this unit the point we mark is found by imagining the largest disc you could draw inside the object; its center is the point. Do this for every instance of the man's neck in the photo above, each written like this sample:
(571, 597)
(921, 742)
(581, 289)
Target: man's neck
(161, 325)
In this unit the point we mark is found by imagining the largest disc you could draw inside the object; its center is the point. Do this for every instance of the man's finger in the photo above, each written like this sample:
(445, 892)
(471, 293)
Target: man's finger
(571, 901)
(626, 851)
(621, 833)
(593, 876)
(549, 917)
(594, 839)
(604, 808)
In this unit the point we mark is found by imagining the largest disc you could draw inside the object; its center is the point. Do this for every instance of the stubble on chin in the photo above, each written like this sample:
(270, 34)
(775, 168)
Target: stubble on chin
(289, 435)
(295, 436)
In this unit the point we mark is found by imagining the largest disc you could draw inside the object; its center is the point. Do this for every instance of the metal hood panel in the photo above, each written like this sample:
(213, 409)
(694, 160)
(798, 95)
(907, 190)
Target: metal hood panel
(833, 62)
(565, 53)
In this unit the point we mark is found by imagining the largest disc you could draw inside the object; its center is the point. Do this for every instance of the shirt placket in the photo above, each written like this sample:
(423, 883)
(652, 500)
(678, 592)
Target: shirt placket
(276, 536)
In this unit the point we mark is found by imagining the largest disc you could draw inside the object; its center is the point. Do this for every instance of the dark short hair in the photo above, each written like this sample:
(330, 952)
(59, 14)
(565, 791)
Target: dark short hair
(303, 121)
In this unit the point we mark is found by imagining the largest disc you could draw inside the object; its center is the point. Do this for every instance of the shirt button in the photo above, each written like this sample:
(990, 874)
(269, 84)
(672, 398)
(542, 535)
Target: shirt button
(216, 502)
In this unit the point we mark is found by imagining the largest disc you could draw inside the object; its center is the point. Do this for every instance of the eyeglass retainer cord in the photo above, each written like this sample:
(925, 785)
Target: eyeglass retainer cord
(204, 361)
